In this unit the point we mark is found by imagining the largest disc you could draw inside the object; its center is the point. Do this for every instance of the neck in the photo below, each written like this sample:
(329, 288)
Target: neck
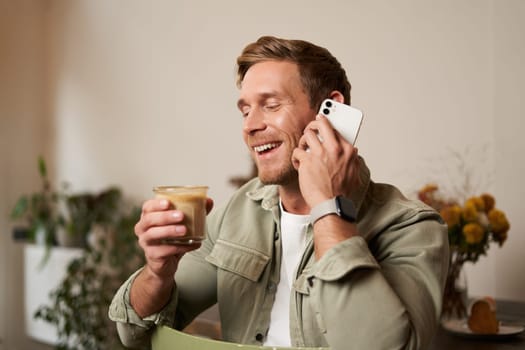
(292, 200)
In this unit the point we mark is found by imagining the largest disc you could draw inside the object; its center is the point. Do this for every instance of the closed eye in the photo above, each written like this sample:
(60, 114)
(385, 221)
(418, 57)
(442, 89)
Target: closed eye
(272, 107)
(244, 111)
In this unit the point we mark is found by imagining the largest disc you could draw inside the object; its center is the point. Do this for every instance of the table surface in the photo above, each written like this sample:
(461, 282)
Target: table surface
(509, 312)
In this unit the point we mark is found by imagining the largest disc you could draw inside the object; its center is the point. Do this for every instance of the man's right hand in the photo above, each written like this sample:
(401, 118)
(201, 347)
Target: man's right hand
(160, 222)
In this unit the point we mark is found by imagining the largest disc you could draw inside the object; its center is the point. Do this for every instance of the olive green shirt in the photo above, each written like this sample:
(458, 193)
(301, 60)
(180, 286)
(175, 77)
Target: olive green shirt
(379, 290)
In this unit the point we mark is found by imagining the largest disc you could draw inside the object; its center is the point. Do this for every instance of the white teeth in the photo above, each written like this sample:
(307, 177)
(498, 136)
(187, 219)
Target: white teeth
(265, 147)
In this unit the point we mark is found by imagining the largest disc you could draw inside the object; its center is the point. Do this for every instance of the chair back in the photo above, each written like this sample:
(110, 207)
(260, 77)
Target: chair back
(166, 338)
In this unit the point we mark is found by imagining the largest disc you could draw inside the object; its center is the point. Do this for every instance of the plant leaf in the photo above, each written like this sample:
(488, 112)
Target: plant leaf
(42, 166)
(20, 208)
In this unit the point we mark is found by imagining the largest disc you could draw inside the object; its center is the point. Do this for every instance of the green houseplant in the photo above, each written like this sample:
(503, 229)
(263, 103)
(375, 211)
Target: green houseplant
(79, 305)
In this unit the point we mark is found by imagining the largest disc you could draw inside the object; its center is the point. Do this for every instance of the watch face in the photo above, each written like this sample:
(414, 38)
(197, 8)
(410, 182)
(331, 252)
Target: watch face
(346, 208)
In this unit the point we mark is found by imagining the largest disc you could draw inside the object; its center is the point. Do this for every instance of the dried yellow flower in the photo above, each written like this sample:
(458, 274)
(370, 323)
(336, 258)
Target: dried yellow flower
(429, 188)
(489, 201)
(477, 202)
(473, 233)
(451, 215)
(469, 212)
(498, 221)
(472, 226)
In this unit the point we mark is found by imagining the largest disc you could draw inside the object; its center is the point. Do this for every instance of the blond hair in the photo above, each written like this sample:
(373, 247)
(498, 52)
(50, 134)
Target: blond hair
(321, 73)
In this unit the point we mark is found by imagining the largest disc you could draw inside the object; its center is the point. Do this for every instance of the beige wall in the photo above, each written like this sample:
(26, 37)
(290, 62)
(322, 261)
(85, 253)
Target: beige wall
(23, 135)
(132, 84)
(509, 164)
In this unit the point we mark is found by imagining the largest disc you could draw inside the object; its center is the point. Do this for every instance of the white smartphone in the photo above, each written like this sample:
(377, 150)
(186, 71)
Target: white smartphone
(344, 118)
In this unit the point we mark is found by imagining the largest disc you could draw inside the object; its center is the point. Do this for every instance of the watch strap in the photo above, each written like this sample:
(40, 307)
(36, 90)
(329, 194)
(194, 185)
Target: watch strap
(322, 209)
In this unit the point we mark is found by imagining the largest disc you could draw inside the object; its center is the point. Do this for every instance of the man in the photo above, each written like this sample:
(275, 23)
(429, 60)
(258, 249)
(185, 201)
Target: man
(284, 269)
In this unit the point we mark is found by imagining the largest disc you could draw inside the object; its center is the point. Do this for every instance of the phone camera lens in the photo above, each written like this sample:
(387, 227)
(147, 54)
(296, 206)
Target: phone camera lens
(326, 111)
(328, 104)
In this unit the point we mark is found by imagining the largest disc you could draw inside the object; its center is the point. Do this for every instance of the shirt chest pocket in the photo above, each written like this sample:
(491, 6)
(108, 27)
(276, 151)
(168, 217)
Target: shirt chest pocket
(240, 260)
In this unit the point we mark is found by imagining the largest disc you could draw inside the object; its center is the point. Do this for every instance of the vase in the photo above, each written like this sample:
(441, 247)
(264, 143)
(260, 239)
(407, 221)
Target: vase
(455, 296)
(39, 281)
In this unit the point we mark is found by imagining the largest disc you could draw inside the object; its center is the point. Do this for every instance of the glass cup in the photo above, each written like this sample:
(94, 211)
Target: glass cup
(191, 200)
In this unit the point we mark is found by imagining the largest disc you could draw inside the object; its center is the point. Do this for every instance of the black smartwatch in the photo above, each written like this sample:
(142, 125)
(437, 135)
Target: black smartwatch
(338, 205)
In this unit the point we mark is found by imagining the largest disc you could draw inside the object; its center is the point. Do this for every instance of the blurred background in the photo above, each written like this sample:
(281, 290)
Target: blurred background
(140, 93)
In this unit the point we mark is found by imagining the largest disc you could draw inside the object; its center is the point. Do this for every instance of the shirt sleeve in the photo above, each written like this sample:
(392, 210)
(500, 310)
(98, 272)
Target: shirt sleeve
(133, 330)
(385, 293)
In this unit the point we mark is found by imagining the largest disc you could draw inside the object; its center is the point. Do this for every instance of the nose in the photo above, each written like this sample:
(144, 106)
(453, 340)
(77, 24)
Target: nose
(254, 121)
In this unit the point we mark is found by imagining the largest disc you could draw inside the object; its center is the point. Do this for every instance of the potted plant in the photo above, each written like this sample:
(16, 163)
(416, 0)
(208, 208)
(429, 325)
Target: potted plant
(79, 305)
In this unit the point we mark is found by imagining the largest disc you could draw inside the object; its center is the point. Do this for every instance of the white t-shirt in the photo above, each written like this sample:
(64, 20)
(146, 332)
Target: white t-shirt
(293, 242)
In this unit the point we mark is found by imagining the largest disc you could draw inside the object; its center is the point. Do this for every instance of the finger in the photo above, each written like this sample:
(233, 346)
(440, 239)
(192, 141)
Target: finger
(297, 155)
(209, 205)
(158, 218)
(302, 143)
(325, 129)
(355, 152)
(161, 235)
(155, 204)
(312, 139)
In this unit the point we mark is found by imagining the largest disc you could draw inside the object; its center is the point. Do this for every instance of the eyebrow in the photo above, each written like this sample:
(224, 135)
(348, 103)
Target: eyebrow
(240, 103)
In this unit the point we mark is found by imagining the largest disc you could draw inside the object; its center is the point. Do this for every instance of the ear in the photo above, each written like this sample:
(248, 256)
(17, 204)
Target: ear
(337, 96)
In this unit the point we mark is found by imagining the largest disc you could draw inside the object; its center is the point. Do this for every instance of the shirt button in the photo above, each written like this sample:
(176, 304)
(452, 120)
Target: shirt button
(259, 337)
(310, 281)
(271, 287)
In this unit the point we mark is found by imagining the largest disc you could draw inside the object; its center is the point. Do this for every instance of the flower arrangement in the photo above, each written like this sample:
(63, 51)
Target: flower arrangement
(472, 226)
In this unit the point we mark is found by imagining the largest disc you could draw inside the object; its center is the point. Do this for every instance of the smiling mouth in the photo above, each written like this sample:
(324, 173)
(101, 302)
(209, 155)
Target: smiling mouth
(266, 147)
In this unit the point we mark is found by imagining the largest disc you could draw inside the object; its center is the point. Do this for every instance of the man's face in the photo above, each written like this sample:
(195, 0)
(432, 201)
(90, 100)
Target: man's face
(275, 112)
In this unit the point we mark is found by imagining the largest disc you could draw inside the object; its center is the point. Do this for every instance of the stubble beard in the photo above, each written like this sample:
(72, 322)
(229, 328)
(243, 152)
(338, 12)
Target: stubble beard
(284, 176)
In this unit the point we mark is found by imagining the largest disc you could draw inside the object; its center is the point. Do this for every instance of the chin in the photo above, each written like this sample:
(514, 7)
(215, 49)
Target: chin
(283, 177)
